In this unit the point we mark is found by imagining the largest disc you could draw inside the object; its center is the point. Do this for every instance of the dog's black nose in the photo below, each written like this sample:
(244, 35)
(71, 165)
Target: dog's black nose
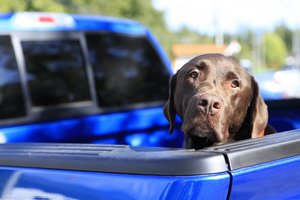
(210, 104)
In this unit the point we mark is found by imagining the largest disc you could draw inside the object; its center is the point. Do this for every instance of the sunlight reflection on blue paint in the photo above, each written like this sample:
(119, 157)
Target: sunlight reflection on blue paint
(3, 139)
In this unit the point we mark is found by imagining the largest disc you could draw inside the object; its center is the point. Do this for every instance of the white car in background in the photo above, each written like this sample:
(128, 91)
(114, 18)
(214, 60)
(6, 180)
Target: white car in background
(283, 84)
(289, 81)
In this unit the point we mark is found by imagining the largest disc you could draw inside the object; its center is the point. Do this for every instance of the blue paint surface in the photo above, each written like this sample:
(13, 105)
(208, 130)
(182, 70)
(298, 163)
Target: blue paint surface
(140, 127)
(59, 184)
(274, 180)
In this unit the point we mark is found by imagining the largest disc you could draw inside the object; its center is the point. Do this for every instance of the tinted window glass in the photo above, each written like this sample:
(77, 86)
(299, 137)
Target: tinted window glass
(127, 70)
(11, 97)
(55, 72)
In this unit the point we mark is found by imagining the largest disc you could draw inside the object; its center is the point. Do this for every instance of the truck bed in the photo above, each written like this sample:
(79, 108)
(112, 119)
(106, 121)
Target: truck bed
(113, 171)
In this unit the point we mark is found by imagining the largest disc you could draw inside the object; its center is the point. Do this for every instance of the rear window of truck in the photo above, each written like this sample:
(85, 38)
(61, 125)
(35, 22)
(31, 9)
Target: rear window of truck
(104, 70)
(55, 72)
(127, 70)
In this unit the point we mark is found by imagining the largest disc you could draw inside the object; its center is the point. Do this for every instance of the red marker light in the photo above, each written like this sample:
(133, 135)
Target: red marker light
(43, 20)
(46, 19)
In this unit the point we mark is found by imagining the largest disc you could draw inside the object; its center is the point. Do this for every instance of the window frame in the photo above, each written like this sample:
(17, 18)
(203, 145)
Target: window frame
(13, 43)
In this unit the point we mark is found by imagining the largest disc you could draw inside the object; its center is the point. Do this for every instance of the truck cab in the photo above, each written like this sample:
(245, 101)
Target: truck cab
(74, 78)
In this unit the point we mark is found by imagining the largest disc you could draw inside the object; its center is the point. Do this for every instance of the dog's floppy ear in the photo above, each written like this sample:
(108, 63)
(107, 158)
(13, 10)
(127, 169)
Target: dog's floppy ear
(169, 108)
(257, 112)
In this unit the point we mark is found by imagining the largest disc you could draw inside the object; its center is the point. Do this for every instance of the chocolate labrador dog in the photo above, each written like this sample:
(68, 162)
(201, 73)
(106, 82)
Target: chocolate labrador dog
(218, 102)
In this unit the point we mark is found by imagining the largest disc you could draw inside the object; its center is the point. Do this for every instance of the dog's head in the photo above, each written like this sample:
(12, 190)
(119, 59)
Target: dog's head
(216, 99)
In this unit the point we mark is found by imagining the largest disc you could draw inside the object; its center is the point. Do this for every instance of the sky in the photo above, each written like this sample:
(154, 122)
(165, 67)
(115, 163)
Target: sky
(229, 16)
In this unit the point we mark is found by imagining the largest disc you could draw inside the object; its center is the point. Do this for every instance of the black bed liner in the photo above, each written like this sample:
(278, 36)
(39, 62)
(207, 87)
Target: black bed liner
(151, 160)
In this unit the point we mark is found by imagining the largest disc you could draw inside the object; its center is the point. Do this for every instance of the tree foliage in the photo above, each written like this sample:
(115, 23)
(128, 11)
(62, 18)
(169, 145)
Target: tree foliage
(286, 34)
(246, 39)
(275, 50)
(187, 36)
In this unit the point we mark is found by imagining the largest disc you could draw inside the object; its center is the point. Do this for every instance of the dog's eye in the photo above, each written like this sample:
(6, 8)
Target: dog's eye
(194, 75)
(235, 84)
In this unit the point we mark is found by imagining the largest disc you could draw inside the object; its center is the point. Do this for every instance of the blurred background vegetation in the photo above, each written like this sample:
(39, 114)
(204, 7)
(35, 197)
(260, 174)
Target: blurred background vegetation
(273, 46)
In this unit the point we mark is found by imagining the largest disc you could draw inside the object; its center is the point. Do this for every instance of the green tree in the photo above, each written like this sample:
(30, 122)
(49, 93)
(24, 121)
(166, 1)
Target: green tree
(286, 34)
(32, 5)
(275, 50)
(187, 36)
(246, 38)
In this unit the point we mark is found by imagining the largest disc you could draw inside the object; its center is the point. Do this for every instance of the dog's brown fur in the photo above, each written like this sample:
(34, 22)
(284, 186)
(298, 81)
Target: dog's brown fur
(217, 100)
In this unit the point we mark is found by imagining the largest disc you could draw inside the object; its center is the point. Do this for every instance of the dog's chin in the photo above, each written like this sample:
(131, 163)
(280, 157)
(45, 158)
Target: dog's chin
(206, 134)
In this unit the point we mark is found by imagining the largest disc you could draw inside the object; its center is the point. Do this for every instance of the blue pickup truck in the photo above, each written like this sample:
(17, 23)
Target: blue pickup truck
(81, 118)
